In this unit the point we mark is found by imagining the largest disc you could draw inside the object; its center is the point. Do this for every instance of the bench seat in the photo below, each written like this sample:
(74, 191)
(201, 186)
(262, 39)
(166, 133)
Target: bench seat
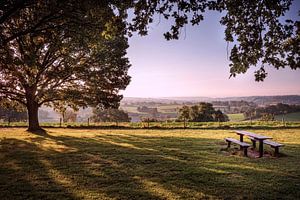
(273, 144)
(243, 145)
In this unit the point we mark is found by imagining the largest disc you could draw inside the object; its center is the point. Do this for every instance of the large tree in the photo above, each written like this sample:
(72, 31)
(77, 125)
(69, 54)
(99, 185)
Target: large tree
(61, 51)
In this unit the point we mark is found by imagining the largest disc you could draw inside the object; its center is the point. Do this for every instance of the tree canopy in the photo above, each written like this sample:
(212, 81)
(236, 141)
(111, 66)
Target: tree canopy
(260, 34)
(203, 112)
(257, 29)
(54, 51)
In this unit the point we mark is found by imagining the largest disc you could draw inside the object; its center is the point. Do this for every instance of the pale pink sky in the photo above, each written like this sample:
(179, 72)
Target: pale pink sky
(197, 65)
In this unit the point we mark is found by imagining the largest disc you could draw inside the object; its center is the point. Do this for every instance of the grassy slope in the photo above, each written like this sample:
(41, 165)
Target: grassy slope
(289, 117)
(143, 164)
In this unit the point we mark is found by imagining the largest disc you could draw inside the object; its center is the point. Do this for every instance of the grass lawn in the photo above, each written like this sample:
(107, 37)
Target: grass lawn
(143, 164)
(236, 117)
(289, 117)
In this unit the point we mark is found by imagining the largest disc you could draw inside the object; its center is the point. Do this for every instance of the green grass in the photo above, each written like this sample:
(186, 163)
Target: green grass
(143, 164)
(168, 125)
(289, 117)
(236, 117)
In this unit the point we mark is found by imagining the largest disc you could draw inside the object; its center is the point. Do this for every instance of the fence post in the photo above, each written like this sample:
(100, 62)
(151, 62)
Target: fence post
(283, 120)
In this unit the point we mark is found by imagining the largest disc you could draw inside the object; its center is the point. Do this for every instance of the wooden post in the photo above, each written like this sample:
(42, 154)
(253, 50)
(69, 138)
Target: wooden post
(276, 151)
(228, 145)
(261, 148)
(88, 122)
(245, 152)
(241, 139)
(60, 120)
(253, 143)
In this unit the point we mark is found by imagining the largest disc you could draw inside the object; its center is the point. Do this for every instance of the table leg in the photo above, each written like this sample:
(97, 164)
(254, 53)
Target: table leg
(261, 148)
(241, 139)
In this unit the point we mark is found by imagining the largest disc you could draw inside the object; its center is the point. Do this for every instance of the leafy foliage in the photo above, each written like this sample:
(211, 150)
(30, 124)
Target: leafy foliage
(255, 28)
(268, 111)
(10, 111)
(54, 51)
(11, 114)
(204, 112)
(110, 115)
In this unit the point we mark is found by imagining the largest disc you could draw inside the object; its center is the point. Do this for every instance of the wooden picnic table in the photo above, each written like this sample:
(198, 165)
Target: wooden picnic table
(260, 138)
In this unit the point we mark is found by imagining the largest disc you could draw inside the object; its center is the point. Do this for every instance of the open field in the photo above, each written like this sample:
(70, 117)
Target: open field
(236, 117)
(143, 164)
(289, 117)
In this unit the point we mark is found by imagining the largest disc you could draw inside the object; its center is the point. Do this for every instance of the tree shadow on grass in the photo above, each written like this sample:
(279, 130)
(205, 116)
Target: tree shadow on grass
(129, 166)
(24, 176)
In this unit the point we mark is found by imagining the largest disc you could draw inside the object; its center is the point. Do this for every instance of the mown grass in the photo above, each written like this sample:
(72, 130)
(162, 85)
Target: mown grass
(289, 117)
(236, 117)
(143, 164)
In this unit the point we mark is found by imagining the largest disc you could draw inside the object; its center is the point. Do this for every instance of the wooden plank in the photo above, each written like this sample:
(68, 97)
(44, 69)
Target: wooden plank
(272, 143)
(253, 135)
(243, 144)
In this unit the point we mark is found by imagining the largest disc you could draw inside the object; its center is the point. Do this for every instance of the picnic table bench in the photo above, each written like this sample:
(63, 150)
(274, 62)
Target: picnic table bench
(273, 144)
(259, 138)
(243, 145)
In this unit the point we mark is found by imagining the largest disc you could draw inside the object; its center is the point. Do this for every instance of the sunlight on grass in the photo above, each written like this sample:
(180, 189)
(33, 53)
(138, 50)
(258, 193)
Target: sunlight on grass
(156, 189)
(143, 164)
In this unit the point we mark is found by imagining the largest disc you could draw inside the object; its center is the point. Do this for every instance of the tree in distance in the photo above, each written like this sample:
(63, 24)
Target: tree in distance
(184, 114)
(54, 52)
(110, 115)
(203, 112)
(11, 113)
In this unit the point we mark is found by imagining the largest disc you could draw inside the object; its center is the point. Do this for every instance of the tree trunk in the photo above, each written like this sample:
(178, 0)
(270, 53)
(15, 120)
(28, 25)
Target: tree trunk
(32, 108)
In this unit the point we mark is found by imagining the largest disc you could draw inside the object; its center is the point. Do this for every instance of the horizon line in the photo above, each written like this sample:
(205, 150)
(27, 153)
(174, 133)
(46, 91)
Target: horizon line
(164, 97)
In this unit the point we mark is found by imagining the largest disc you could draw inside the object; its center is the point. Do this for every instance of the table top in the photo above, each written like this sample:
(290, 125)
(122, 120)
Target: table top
(255, 136)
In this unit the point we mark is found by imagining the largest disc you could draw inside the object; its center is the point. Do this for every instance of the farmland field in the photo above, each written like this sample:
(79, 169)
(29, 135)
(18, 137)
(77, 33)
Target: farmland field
(289, 117)
(236, 117)
(144, 164)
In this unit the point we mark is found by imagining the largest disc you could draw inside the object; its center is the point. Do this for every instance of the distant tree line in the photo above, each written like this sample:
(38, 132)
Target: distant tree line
(147, 109)
(268, 112)
(203, 112)
(9, 114)
(110, 115)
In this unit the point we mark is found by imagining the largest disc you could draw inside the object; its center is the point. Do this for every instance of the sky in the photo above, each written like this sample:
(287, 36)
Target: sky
(197, 65)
